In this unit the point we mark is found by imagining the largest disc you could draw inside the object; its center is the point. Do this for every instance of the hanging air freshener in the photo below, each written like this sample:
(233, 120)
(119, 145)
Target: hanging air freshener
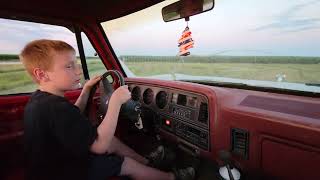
(185, 42)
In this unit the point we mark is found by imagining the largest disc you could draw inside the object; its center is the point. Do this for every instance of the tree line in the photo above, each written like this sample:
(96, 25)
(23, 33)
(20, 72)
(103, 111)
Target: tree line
(225, 59)
(205, 59)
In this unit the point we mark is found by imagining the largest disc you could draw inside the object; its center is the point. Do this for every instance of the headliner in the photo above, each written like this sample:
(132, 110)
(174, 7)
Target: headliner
(71, 10)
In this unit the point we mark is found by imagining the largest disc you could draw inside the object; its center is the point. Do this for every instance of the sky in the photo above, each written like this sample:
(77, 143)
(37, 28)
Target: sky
(233, 27)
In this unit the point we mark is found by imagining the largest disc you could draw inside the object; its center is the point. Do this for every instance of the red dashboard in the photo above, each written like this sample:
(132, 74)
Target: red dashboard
(269, 135)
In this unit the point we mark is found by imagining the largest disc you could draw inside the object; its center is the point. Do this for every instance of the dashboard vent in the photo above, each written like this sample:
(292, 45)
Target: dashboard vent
(240, 142)
(203, 113)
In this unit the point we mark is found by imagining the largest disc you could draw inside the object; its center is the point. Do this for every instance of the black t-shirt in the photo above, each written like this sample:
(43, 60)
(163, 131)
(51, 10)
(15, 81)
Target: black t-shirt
(58, 138)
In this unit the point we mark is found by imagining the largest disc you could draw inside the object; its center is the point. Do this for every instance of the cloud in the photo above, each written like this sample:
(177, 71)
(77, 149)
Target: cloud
(292, 24)
(294, 9)
(288, 21)
(19, 33)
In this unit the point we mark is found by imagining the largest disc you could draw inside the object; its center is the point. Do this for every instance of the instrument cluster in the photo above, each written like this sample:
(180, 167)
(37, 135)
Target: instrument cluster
(180, 113)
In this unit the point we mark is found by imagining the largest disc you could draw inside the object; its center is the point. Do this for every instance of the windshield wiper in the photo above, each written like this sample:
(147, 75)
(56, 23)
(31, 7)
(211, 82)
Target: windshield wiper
(312, 84)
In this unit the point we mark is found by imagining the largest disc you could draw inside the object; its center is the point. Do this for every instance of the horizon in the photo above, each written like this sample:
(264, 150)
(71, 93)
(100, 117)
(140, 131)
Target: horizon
(190, 56)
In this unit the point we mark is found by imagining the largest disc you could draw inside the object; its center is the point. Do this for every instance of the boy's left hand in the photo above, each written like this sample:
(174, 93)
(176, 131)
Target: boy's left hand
(90, 83)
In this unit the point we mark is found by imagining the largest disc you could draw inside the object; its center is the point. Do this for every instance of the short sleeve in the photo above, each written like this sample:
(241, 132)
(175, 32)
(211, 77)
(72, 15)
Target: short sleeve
(73, 130)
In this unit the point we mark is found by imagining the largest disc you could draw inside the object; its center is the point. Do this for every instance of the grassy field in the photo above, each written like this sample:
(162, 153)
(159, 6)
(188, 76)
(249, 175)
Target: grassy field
(14, 79)
(300, 73)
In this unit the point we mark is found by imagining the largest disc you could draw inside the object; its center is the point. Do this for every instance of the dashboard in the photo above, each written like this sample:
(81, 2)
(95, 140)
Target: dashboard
(257, 128)
(178, 113)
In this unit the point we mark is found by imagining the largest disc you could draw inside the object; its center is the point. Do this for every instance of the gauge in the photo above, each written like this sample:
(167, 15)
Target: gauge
(136, 93)
(148, 96)
(162, 99)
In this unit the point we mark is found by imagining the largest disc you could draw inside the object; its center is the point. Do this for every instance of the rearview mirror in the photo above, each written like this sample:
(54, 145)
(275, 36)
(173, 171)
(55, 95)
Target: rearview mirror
(185, 9)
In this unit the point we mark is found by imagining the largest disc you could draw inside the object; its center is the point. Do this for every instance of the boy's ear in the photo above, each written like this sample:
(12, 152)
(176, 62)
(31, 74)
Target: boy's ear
(40, 75)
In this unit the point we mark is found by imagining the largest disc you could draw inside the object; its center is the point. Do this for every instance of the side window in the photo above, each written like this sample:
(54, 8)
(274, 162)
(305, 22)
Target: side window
(94, 63)
(14, 36)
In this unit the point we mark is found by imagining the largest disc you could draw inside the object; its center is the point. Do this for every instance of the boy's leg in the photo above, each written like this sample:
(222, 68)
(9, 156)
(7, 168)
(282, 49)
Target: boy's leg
(136, 170)
(121, 149)
(103, 166)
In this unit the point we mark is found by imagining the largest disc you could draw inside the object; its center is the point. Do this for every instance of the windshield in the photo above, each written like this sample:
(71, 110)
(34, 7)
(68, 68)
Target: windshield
(258, 43)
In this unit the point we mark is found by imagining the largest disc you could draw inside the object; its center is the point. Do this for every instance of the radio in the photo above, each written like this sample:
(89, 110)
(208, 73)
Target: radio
(187, 132)
(192, 134)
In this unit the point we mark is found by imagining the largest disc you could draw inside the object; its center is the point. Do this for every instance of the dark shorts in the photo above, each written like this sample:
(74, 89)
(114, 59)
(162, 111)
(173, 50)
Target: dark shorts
(104, 166)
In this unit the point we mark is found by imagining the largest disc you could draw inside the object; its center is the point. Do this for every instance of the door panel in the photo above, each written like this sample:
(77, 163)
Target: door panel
(11, 133)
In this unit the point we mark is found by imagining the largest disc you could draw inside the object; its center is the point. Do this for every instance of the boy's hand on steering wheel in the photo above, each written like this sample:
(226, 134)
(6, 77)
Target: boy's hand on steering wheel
(121, 95)
(91, 82)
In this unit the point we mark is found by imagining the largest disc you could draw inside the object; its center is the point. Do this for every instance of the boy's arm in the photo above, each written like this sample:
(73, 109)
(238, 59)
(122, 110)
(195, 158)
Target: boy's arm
(108, 126)
(83, 98)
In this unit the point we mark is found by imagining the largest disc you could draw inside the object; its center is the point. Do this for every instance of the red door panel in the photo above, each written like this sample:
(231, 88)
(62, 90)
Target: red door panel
(11, 133)
(11, 114)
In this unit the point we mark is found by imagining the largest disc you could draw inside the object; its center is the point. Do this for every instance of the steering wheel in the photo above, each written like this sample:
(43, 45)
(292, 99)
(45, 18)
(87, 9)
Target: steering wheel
(130, 110)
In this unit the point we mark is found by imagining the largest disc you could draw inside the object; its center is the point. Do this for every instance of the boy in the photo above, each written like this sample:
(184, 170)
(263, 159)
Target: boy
(60, 142)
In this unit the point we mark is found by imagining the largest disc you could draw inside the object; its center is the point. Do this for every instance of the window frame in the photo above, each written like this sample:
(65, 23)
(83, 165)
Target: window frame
(74, 29)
